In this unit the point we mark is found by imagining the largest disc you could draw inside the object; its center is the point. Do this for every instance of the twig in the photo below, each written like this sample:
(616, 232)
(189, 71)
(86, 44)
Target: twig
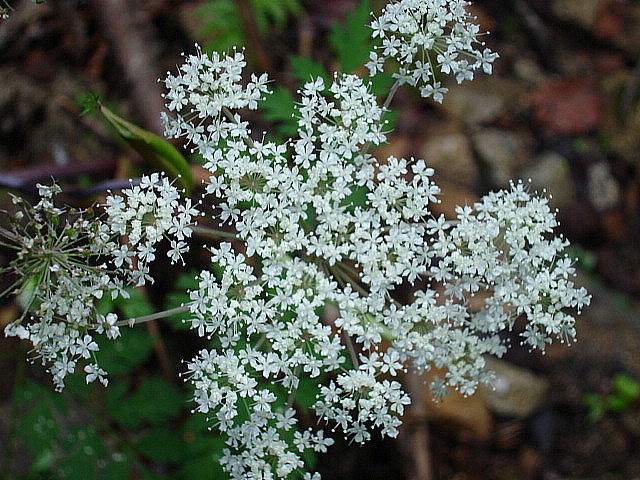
(208, 232)
(134, 54)
(539, 32)
(250, 30)
(414, 435)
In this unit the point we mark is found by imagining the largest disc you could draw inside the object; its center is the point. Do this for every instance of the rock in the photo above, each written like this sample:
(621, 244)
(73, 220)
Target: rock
(516, 391)
(452, 195)
(466, 413)
(501, 151)
(583, 13)
(602, 187)
(550, 172)
(528, 71)
(610, 20)
(474, 102)
(449, 153)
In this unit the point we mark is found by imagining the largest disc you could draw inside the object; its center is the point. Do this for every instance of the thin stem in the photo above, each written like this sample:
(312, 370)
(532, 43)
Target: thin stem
(292, 394)
(351, 349)
(154, 316)
(338, 271)
(247, 140)
(8, 234)
(214, 233)
(385, 106)
(392, 93)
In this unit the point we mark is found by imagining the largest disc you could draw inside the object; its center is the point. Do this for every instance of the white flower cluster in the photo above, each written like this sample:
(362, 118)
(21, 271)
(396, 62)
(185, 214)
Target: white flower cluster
(211, 86)
(145, 214)
(325, 224)
(427, 38)
(326, 239)
(68, 261)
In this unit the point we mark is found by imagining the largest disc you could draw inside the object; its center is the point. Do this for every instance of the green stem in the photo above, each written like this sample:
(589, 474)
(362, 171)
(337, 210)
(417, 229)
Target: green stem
(8, 234)
(154, 316)
(385, 106)
(214, 233)
(247, 140)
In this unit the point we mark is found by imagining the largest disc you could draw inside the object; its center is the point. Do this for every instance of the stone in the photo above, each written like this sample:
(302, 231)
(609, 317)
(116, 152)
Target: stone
(550, 171)
(515, 391)
(583, 13)
(449, 153)
(501, 151)
(466, 413)
(474, 102)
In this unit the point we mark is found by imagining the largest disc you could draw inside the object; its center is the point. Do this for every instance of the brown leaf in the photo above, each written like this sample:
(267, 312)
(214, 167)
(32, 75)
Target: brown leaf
(567, 106)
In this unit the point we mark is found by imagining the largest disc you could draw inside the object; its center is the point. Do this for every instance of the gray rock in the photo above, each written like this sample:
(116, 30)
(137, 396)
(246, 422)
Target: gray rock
(451, 157)
(550, 172)
(515, 391)
(474, 102)
(501, 151)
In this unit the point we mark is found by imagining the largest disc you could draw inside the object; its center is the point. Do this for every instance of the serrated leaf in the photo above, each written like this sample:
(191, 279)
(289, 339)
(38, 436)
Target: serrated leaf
(157, 151)
(352, 42)
(306, 69)
(279, 107)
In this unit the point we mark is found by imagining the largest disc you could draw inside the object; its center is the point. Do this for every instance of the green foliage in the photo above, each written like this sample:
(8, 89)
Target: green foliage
(153, 402)
(306, 69)
(155, 150)
(279, 108)
(135, 345)
(352, 42)
(222, 26)
(585, 259)
(626, 393)
(61, 447)
(180, 296)
(88, 102)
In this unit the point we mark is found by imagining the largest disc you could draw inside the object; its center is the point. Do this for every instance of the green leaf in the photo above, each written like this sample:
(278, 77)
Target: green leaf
(134, 306)
(155, 150)
(161, 445)
(306, 69)
(88, 102)
(596, 406)
(179, 296)
(357, 198)
(279, 107)
(626, 387)
(127, 351)
(352, 42)
(306, 392)
(617, 404)
(155, 401)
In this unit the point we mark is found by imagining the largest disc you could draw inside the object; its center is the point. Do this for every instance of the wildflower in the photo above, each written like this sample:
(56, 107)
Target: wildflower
(312, 245)
(426, 38)
(66, 261)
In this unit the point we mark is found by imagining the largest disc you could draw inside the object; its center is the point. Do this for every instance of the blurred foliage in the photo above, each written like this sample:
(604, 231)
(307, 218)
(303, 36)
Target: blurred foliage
(222, 26)
(625, 394)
